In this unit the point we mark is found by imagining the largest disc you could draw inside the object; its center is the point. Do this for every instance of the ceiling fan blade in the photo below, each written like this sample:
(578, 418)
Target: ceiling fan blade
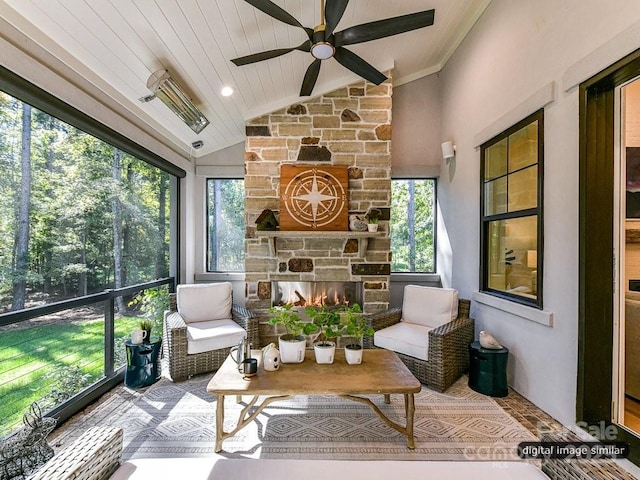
(333, 11)
(357, 65)
(278, 13)
(384, 28)
(310, 78)
(258, 57)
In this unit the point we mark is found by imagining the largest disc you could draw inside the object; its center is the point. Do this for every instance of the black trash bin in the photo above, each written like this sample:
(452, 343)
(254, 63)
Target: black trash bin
(488, 370)
(143, 363)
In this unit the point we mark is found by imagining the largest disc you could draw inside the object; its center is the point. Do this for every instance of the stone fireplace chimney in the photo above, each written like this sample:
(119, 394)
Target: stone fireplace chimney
(348, 127)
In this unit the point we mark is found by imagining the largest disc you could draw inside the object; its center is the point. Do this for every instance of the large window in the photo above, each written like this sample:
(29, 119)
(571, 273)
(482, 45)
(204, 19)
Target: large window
(511, 211)
(225, 225)
(85, 251)
(77, 215)
(413, 225)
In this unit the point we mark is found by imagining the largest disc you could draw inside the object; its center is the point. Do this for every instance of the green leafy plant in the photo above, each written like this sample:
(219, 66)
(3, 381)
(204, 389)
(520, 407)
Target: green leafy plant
(354, 323)
(68, 380)
(326, 320)
(289, 318)
(153, 303)
(147, 326)
(373, 215)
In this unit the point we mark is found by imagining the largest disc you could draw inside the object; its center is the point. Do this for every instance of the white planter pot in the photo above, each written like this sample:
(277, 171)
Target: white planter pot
(353, 354)
(292, 348)
(325, 351)
(372, 227)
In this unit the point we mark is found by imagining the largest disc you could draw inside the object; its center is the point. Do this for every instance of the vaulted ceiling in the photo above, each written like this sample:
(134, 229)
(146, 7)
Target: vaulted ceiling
(117, 44)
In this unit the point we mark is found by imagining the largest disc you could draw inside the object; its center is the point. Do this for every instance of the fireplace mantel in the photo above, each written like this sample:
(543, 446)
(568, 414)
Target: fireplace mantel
(362, 237)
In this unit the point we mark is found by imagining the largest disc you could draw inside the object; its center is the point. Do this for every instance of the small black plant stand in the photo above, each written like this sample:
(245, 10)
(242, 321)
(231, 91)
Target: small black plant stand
(143, 363)
(488, 370)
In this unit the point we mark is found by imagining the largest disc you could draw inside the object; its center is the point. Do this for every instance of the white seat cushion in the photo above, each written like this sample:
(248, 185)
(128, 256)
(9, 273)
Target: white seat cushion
(203, 302)
(213, 335)
(403, 337)
(429, 306)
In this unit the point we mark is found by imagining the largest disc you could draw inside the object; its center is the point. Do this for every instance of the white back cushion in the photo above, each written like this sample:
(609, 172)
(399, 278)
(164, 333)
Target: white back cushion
(204, 301)
(429, 306)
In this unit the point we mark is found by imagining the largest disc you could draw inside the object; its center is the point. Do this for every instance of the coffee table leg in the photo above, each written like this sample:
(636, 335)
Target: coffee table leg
(219, 423)
(410, 409)
(387, 398)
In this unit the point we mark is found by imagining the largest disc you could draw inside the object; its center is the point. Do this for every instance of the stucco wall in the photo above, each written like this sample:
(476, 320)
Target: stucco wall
(415, 151)
(515, 51)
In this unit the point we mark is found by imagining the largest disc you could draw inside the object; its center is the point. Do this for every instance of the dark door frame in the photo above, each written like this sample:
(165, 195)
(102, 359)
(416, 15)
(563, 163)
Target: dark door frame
(596, 268)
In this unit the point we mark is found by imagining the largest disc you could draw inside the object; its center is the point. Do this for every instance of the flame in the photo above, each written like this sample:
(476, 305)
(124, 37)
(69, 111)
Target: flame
(315, 294)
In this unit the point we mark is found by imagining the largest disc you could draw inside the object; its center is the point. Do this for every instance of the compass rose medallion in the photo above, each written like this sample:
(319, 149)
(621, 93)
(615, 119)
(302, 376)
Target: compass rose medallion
(313, 197)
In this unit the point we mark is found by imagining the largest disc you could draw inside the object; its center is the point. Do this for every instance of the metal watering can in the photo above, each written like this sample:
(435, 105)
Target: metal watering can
(241, 352)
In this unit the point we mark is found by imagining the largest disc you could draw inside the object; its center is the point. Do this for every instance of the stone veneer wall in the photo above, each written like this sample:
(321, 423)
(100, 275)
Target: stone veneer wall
(351, 127)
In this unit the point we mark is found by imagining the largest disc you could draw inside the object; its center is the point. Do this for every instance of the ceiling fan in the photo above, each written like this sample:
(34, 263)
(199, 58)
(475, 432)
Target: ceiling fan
(323, 43)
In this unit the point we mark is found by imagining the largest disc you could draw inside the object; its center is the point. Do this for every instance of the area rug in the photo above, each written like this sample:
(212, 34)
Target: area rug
(178, 420)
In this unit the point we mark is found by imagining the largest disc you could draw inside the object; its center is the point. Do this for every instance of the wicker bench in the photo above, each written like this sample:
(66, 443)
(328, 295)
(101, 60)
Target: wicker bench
(95, 455)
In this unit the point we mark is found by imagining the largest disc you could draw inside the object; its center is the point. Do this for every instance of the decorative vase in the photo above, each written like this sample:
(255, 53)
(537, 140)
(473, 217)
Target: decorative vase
(292, 348)
(270, 358)
(353, 354)
(325, 351)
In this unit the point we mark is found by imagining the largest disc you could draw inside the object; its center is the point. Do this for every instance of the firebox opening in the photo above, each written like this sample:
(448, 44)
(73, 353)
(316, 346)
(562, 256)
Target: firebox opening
(303, 294)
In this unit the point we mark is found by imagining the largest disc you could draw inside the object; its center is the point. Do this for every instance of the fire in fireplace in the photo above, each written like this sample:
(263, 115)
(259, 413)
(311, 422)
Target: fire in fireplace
(316, 293)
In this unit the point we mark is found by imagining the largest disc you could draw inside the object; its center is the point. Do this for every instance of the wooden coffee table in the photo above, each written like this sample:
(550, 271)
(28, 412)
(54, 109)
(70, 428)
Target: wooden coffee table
(381, 371)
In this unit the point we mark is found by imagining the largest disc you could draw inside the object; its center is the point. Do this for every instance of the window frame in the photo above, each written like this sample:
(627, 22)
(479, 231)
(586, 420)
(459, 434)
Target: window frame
(485, 220)
(23, 90)
(435, 226)
(207, 243)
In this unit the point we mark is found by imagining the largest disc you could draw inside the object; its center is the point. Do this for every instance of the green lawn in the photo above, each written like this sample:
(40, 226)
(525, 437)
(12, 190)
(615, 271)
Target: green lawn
(38, 360)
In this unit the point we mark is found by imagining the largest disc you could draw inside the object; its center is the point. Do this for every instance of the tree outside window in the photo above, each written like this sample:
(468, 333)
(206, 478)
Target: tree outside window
(78, 215)
(412, 225)
(225, 225)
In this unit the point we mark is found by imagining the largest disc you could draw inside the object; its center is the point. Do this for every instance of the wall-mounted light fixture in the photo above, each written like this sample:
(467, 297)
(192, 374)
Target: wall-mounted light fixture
(448, 150)
(166, 89)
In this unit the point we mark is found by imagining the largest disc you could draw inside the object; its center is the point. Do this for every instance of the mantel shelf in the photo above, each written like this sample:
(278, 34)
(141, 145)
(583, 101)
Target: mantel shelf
(362, 237)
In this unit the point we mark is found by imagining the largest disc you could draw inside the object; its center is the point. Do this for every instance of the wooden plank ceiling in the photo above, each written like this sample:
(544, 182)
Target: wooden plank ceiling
(117, 44)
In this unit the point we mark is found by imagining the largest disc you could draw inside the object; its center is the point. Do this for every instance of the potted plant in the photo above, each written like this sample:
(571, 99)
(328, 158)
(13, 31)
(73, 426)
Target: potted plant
(372, 219)
(327, 322)
(292, 344)
(147, 326)
(356, 326)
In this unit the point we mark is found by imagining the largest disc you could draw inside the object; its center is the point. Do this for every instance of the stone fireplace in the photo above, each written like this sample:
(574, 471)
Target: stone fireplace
(348, 127)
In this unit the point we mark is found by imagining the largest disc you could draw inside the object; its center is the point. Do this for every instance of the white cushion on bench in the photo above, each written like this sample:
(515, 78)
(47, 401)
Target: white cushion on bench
(253, 469)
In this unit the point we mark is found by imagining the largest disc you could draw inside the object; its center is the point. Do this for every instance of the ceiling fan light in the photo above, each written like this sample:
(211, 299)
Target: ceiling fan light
(322, 50)
(169, 92)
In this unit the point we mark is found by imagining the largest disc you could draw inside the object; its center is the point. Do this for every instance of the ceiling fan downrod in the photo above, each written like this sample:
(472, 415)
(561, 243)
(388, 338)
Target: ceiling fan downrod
(321, 49)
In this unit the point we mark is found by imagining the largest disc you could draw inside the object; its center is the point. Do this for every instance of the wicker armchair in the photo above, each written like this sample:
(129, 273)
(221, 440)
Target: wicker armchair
(181, 363)
(448, 355)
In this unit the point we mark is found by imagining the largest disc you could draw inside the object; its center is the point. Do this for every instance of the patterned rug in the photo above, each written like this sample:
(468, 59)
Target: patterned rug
(178, 420)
